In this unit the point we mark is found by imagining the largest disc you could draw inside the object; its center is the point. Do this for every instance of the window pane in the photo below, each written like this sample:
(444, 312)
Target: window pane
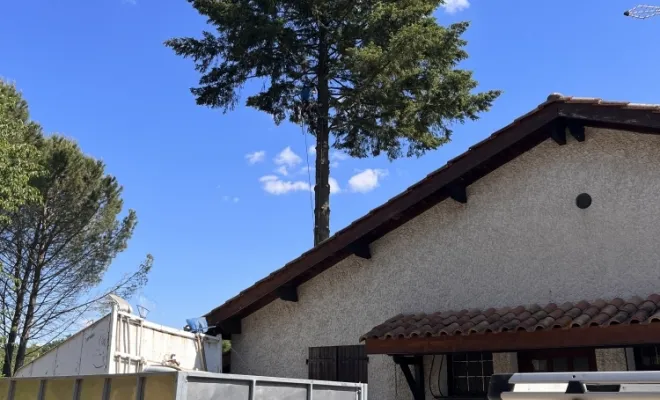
(488, 368)
(474, 369)
(647, 357)
(560, 364)
(580, 364)
(646, 361)
(460, 369)
(540, 365)
(475, 385)
(460, 385)
(470, 377)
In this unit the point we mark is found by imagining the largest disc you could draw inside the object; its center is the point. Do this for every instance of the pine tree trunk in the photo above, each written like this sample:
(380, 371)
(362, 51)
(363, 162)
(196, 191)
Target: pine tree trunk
(16, 317)
(29, 315)
(11, 340)
(322, 188)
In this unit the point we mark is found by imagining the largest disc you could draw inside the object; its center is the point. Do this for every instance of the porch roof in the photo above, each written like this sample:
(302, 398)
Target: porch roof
(599, 323)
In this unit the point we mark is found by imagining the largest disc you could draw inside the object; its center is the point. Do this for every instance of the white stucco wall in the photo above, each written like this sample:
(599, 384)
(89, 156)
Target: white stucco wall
(520, 239)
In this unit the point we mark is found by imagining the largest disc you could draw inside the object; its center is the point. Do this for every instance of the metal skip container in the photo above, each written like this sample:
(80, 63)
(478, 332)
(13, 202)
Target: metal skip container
(121, 343)
(177, 385)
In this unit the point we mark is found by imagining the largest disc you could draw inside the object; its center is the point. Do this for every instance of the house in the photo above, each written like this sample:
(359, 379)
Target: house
(538, 249)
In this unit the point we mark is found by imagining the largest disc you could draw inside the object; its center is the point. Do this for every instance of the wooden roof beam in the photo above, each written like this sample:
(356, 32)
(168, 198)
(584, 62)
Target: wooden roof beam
(558, 132)
(362, 250)
(577, 130)
(288, 293)
(458, 192)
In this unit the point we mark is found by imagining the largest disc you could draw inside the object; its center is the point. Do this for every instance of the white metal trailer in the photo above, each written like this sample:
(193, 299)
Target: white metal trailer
(122, 342)
(624, 385)
(178, 386)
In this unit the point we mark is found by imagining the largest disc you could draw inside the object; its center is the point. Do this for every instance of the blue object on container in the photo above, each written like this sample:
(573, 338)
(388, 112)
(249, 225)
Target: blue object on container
(197, 325)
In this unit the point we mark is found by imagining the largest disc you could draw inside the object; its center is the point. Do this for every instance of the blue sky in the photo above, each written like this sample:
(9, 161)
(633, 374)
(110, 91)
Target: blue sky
(97, 71)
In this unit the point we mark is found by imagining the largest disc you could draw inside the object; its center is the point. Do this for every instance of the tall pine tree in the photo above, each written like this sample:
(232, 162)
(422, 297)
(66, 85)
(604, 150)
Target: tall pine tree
(384, 73)
(57, 249)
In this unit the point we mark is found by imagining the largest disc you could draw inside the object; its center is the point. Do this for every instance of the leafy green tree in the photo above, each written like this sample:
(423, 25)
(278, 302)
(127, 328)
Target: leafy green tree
(385, 73)
(58, 248)
(18, 156)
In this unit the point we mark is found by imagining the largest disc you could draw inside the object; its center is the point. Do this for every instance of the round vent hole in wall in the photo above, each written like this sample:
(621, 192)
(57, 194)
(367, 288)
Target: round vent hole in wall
(583, 200)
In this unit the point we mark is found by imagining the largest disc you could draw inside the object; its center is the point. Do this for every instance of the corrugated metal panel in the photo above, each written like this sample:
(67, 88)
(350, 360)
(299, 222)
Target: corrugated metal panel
(93, 352)
(155, 342)
(4, 388)
(182, 386)
(281, 391)
(63, 360)
(85, 353)
(125, 343)
(123, 387)
(160, 387)
(59, 389)
(92, 388)
(27, 390)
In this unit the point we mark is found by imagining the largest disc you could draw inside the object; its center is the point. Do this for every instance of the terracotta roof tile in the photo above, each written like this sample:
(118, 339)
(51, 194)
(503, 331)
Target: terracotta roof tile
(522, 318)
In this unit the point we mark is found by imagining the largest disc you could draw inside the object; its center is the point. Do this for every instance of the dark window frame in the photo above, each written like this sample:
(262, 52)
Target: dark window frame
(351, 363)
(639, 366)
(525, 358)
(454, 359)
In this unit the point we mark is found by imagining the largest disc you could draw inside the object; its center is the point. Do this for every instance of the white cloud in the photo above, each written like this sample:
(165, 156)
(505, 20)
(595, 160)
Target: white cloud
(257, 156)
(312, 150)
(366, 180)
(306, 169)
(233, 199)
(282, 170)
(338, 156)
(287, 157)
(334, 186)
(274, 185)
(454, 6)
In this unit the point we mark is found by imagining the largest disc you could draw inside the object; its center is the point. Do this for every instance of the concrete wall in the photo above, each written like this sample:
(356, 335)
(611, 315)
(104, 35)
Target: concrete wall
(519, 240)
(505, 363)
(611, 359)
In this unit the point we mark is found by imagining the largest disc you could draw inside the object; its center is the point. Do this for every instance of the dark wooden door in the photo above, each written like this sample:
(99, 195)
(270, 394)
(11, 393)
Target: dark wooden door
(322, 363)
(338, 363)
(560, 360)
(352, 364)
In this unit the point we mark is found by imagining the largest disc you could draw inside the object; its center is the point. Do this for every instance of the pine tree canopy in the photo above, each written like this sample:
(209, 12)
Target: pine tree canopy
(386, 72)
